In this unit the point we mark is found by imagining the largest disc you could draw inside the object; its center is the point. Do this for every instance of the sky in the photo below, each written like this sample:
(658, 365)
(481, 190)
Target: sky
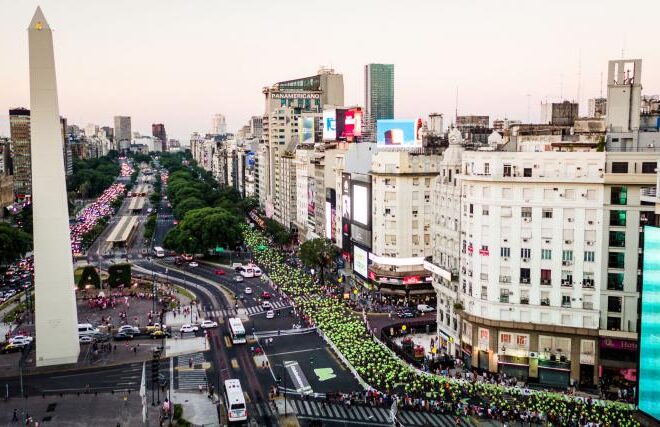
(179, 62)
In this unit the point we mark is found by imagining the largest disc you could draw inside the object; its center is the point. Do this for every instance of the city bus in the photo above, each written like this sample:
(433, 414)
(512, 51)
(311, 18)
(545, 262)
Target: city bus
(159, 252)
(237, 331)
(235, 401)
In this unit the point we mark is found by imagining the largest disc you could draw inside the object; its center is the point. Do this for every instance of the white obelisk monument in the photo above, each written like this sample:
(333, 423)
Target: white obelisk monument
(56, 318)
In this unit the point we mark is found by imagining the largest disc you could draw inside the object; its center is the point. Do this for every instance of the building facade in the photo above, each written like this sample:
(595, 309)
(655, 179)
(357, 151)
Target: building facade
(378, 93)
(19, 128)
(122, 132)
(158, 131)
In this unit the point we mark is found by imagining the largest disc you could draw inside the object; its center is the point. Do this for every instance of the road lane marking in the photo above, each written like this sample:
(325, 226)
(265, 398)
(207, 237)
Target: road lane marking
(294, 352)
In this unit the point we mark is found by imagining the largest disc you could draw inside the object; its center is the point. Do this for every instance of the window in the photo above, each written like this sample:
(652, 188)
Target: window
(389, 181)
(505, 338)
(546, 253)
(645, 218)
(486, 168)
(545, 298)
(507, 170)
(614, 304)
(504, 295)
(506, 211)
(521, 340)
(648, 167)
(427, 196)
(618, 218)
(546, 213)
(505, 252)
(507, 193)
(614, 281)
(415, 195)
(526, 212)
(588, 280)
(524, 275)
(567, 256)
(619, 167)
(589, 256)
(427, 182)
(548, 194)
(524, 297)
(525, 253)
(527, 172)
(565, 300)
(619, 196)
(613, 323)
(546, 277)
(415, 182)
(569, 194)
(484, 210)
(615, 259)
(617, 239)
(484, 292)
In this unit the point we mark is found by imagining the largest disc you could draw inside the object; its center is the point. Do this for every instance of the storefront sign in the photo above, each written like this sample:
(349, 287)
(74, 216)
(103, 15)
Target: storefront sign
(295, 95)
(484, 339)
(618, 344)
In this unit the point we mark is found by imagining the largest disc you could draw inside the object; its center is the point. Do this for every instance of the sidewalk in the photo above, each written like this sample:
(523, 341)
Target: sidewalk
(197, 408)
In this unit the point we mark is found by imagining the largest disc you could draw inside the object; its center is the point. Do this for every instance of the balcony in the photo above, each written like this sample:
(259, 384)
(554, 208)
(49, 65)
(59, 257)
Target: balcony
(546, 282)
(505, 279)
(504, 298)
(545, 302)
(524, 301)
(566, 284)
(649, 194)
(524, 280)
(588, 284)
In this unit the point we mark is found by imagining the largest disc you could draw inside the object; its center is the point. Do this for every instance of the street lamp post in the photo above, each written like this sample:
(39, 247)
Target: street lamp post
(282, 380)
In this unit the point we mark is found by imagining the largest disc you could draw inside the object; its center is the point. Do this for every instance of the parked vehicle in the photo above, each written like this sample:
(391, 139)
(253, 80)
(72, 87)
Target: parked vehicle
(86, 329)
(123, 336)
(425, 308)
(188, 328)
(85, 339)
(270, 314)
(248, 291)
(238, 278)
(129, 329)
(206, 324)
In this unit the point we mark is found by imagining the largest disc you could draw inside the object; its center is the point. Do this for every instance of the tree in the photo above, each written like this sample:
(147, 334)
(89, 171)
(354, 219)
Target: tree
(186, 205)
(202, 229)
(278, 232)
(14, 243)
(318, 253)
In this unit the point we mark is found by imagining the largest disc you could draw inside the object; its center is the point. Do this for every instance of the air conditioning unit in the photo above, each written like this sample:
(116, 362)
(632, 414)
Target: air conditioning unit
(525, 240)
(568, 242)
(583, 195)
(506, 259)
(570, 220)
(565, 263)
(590, 243)
(590, 222)
(525, 259)
(527, 219)
(536, 166)
(547, 241)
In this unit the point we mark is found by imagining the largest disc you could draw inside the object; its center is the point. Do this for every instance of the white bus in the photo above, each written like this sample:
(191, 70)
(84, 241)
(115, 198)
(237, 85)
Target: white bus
(237, 331)
(159, 252)
(235, 401)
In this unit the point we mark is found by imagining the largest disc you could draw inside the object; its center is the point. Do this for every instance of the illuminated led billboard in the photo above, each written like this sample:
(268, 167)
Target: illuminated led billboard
(360, 257)
(329, 125)
(361, 204)
(649, 337)
(352, 123)
(393, 132)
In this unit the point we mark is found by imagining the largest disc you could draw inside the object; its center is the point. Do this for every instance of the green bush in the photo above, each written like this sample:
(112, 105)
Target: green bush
(178, 411)
(90, 276)
(119, 274)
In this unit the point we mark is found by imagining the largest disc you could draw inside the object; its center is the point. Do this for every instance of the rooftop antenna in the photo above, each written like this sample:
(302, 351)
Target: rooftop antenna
(456, 112)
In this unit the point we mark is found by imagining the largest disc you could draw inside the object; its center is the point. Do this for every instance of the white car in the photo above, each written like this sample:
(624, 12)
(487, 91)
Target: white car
(266, 305)
(193, 264)
(424, 308)
(257, 271)
(270, 314)
(188, 328)
(85, 339)
(238, 278)
(248, 291)
(206, 324)
(21, 340)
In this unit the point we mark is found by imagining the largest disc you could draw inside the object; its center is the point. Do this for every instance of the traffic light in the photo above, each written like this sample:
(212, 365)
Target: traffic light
(278, 380)
(155, 367)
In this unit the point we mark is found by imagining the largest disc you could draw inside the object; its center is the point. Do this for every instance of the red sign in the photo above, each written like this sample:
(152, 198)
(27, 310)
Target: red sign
(617, 344)
(372, 275)
(411, 280)
(483, 252)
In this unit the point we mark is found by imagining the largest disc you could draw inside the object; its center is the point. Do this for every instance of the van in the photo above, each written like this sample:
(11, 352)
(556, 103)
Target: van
(246, 271)
(423, 308)
(86, 329)
(236, 266)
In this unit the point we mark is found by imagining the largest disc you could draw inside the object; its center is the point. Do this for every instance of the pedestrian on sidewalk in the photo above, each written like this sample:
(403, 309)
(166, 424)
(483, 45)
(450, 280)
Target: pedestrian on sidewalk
(190, 363)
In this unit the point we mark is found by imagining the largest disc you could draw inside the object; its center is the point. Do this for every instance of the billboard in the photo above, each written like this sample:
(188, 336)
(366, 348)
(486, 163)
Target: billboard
(329, 125)
(649, 337)
(328, 221)
(311, 199)
(361, 204)
(306, 130)
(340, 123)
(346, 196)
(399, 133)
(360, 261)
(352, 123)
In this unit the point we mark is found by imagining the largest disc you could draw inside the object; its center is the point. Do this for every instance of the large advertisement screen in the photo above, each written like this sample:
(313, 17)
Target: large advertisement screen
(352, 123)
(328, 221)
(329, 125)
(393, 132)
(649, 337)
(340, 123)
(360, 257)
(346, 196)
(306, 130)
(361, 204)
(311, 198)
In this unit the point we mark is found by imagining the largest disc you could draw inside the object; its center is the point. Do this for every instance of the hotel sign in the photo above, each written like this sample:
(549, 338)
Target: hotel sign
(295, 95)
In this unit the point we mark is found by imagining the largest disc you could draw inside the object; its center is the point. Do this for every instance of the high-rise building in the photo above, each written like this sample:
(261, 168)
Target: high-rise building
(219, 125)
(122, 131)
(598, 107)
(257, 126)
(559, 113)
(19, 128)
(158, 131)
(109, 132)
(378, 93)
(436, 123)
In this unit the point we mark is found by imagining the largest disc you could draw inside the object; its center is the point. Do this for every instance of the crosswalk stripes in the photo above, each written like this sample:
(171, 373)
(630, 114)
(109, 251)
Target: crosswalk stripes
(257, 309)
(190, 379)
(313, 410)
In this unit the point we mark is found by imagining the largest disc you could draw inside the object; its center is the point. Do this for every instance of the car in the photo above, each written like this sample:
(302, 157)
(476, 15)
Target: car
(238, 278)
(248, 291)
(123, 336)
(178, 261)
(129, 329)
(188, 328)
(206, 324)
(100, 337)
(21, 339)
(85, 339)
(266, 295)
(270, 314)
(159, 333)
(406, 314)
(193, 264)
(220, 272)
(155, 326)
(257, 270)
(12, 348)
(266, 305)
(424, 308)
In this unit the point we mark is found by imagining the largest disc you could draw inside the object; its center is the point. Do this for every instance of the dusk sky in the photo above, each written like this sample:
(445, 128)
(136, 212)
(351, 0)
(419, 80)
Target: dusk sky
(179, 62)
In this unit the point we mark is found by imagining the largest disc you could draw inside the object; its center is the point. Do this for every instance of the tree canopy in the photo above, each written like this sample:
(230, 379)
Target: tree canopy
(203, 229)
(13, 243)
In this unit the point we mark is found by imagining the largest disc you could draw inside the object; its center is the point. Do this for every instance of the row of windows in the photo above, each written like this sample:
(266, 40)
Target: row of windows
(546, 254)
(623, 167)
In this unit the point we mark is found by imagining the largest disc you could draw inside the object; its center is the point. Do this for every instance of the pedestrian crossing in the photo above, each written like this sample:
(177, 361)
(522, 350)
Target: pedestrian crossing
(257, 309)
(367, 415)
(190, 379)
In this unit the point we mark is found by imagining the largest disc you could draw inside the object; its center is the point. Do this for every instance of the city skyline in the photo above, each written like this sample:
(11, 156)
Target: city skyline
(184, 98)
